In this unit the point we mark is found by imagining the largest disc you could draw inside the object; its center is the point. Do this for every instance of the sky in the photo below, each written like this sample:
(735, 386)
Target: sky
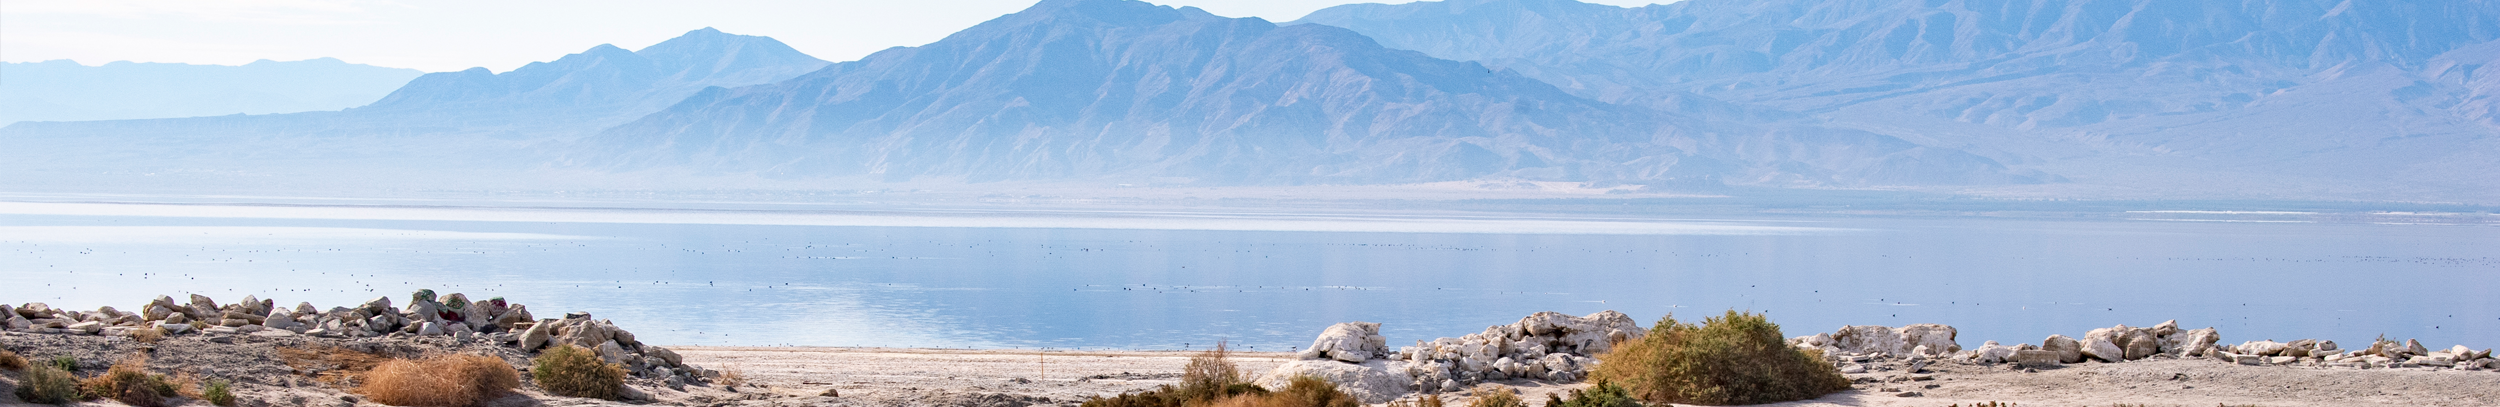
(449, 35)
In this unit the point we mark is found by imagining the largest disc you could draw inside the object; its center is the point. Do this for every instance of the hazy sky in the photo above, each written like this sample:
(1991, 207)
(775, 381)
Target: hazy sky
(444, 35)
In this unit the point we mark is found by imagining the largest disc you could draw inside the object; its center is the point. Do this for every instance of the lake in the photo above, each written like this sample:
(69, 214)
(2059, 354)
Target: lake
(1270, 281)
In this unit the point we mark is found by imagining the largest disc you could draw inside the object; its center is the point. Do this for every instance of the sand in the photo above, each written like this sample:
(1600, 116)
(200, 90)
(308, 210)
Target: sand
(902, 374)
(883, 377)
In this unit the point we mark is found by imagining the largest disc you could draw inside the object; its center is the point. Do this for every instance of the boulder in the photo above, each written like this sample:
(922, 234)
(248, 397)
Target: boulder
(1373, 382)
(2140, 344)
(2036, 358)
(430, 328)
(18, 322)
(611, 352)
(2414, 347)
(281, 319)
(2191, 343)
(1350, 342)
(34, 310)
(2102, 344)
(1992, 353)
(86, 328)
(537, 335)
(1864, 339)
(1937, 339)
(2068, 349)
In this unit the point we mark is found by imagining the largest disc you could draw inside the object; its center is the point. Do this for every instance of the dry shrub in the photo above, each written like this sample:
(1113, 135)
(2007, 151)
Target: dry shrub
(440, 381)
(733, 377)
(338, 367)
(149, 335)
(1211, 378)
(128, 381)
(10, 361)
(574, 371)
(1496, 396)
(1304, 391)
(1738, 358)
(46, 384)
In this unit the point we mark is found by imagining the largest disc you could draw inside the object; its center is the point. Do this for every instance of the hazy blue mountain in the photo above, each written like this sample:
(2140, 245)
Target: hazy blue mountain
(471, 119)
(2367, 99)
(1094, 89)
(63, 90)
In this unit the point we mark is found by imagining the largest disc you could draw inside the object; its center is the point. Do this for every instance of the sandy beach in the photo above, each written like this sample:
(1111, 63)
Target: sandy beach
(877, 376)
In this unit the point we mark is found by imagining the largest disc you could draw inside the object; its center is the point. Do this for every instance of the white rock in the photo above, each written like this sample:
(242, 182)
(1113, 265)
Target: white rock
(1869, 339)
(1350, 342)
(2192, 343)
(2102, 344)
(1938, 339)
(1376, 381)
(430, 328)
(86, 328)
(2068, 349)
(1993, 353)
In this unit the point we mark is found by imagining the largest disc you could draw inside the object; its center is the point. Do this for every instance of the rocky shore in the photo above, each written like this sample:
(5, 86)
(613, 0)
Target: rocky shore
(266, 333)
(1915, 365)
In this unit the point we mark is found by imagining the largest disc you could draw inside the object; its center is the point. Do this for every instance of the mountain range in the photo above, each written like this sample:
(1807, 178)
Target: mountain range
(1117, 89)
(2275, 98)
(2252, 99)
(472, 120)
(64, 90)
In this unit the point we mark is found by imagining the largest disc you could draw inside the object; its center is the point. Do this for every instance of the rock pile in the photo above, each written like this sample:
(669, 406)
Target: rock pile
(2381, 354)
(1854, 346)
(1546, 345)
(455, 316)
(2113, 344)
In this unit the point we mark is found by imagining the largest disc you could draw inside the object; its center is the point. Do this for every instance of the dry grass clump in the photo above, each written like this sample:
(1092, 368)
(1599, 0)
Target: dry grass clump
(574, 371)
(733, 377)
(1304, 391)
(128, 382)
(46, 384)
(440, 381)
(1209, 378)
(1734, 359)
(1496, 396)
(10, 361)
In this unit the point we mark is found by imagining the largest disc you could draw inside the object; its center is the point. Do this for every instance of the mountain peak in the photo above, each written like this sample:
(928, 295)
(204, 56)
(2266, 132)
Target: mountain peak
(1113, 12)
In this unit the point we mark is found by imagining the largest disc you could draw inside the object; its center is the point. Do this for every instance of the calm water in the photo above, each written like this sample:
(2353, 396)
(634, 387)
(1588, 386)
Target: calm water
(718, 284)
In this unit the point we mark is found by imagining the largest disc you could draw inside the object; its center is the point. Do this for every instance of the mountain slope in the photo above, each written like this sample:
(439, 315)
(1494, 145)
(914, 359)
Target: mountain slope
(467, 120)
(2274, 98)
(1114, 89)
(63, 90)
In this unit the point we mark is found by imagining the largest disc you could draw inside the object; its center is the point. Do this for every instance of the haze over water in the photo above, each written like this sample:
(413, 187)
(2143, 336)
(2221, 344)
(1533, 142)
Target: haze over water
(1169, 281)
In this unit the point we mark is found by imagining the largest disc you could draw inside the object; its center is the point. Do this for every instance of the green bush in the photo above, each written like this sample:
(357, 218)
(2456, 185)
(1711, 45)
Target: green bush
(1602, 394)
(574, 371)
(1735, 359)
(220, 392)
(65, 363)
(46, 384)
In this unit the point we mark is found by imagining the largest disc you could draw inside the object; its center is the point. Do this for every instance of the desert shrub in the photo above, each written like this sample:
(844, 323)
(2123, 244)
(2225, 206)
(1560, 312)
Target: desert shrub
(10, 361)
(148, 335)
(1738, 358)
(440, 381)
(1603, 394)
(574, 371)
(47, 384)
(65, 363)
(219, 392)
(733, 377)
(128, 382)
(1209, 377)
(1496, 396)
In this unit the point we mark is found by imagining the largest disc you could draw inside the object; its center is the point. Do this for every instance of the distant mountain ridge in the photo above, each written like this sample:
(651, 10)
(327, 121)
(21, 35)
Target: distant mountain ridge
(64, 90)
(471, 120)
(1093, 89)
(2280, 98)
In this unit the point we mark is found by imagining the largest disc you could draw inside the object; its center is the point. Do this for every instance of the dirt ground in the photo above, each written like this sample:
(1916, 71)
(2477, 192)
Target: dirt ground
(887, 377)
